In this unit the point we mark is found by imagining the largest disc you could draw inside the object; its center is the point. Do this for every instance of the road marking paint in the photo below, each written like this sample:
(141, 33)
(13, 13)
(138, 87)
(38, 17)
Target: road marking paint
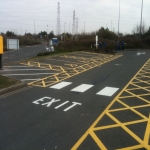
(74, 104)
(51, 102)
(15, 66)
(41, 99)
(29, 79)
(25, 74)
(60, 85)
(107, 91)
(142, 143)
(82, 88)
(67, 72)
(139, 53)
(22, 69)
(61, 105)
(14, 92)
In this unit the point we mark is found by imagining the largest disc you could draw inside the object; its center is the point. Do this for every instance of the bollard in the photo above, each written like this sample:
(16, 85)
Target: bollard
(1, 51)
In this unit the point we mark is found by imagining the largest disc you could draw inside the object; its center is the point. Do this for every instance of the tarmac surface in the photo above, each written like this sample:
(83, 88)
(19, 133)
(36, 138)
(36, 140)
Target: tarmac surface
(78, 101)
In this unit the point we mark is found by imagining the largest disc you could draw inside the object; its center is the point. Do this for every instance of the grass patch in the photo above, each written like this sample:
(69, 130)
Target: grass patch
(6, 82)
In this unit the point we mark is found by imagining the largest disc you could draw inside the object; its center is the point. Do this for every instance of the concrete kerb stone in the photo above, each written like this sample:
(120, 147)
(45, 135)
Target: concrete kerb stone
(12, 88)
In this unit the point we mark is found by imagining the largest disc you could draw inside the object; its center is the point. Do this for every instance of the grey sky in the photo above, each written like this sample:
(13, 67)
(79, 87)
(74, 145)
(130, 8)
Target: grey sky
(21, 14)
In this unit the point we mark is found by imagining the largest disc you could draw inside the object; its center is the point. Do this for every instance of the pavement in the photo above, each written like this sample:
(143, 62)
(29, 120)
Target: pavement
(78, 101)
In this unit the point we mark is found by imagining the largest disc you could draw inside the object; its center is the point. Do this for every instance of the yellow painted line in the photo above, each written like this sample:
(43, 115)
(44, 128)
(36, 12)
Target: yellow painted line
(119, 109)
(69, 72)
(127, 130)
(147, 133)
(98, 141)
(15, 91)
(106, 112)
(65, 61)
(132, 147)
(132, 109)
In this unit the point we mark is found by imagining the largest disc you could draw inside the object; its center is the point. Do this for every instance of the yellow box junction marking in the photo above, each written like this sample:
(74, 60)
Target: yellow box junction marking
(70, 69)
(139, 82)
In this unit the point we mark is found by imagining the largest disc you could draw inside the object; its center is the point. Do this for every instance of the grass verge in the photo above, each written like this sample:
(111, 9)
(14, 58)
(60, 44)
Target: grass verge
(6, 82)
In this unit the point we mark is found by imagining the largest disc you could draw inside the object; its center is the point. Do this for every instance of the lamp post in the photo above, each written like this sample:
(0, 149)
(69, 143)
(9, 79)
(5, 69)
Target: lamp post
(84, 27)
(34, 27)
(119, 18)
(141, 20)
(64, 30)
(47, 37)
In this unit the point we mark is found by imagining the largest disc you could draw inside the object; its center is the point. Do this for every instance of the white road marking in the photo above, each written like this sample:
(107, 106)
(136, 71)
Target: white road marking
(16, 66)
(25, 74)
(74, 104)
(29, 79)
(22, 69)
(107, 91)
(60, 85)
(139, 53)
(61, 105)
(41, 99)
(82, 88)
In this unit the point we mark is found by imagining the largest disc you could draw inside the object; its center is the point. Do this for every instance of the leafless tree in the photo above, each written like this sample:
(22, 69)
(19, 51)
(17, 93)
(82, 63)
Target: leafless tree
(136, 29)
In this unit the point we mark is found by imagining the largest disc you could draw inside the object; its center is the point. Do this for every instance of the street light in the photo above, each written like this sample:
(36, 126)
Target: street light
(84, 27)
(34, 27)
(47, 37)
(141, 20)
(119, 18)
(64, 31)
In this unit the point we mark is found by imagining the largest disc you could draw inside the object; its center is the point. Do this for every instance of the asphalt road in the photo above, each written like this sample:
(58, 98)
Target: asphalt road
(104, 113)
(23, 53)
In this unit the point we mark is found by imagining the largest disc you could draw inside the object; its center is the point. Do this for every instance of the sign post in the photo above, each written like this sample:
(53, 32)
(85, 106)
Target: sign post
(96, 41)
(1, 51)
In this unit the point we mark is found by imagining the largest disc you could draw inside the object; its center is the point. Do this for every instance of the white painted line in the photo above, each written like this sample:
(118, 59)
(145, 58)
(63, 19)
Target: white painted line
(61, 105)
(22, 69)
(60, 85)
(25, 74)
(107, 91)
(82, 88)
(74, 104)
(29, 79)
(16, 66)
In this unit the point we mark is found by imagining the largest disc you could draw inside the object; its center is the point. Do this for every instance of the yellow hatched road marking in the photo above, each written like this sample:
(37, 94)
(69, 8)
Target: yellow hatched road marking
(143, 143)
(67, 72)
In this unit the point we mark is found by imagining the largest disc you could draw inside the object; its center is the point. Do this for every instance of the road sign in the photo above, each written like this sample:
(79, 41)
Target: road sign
(13, 44)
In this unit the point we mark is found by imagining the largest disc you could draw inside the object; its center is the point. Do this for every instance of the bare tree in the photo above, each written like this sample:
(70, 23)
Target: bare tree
(136, 29)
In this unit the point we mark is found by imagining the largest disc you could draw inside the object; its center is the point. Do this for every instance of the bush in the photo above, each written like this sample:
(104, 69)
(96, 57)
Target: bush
(146, 40)
(44, 53)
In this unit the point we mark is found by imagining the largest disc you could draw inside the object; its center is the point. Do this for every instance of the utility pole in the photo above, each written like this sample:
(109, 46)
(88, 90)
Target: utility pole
(58, 20)
(47, 37)
(141, 20)
(119, 18)
(73, 22)
(84, 27)
(64, 30)
(111, 25)
(34, 27)
(76, 25)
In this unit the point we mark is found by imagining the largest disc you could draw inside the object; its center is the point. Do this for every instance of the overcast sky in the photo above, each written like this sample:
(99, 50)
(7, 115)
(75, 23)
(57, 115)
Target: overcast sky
(19, 16)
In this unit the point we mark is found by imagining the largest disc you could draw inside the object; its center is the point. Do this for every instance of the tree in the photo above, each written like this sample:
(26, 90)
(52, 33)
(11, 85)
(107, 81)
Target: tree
(51, 35)
(137, 29)
(42, 34)
(10, 34)
(106, 34)
(147, 33)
